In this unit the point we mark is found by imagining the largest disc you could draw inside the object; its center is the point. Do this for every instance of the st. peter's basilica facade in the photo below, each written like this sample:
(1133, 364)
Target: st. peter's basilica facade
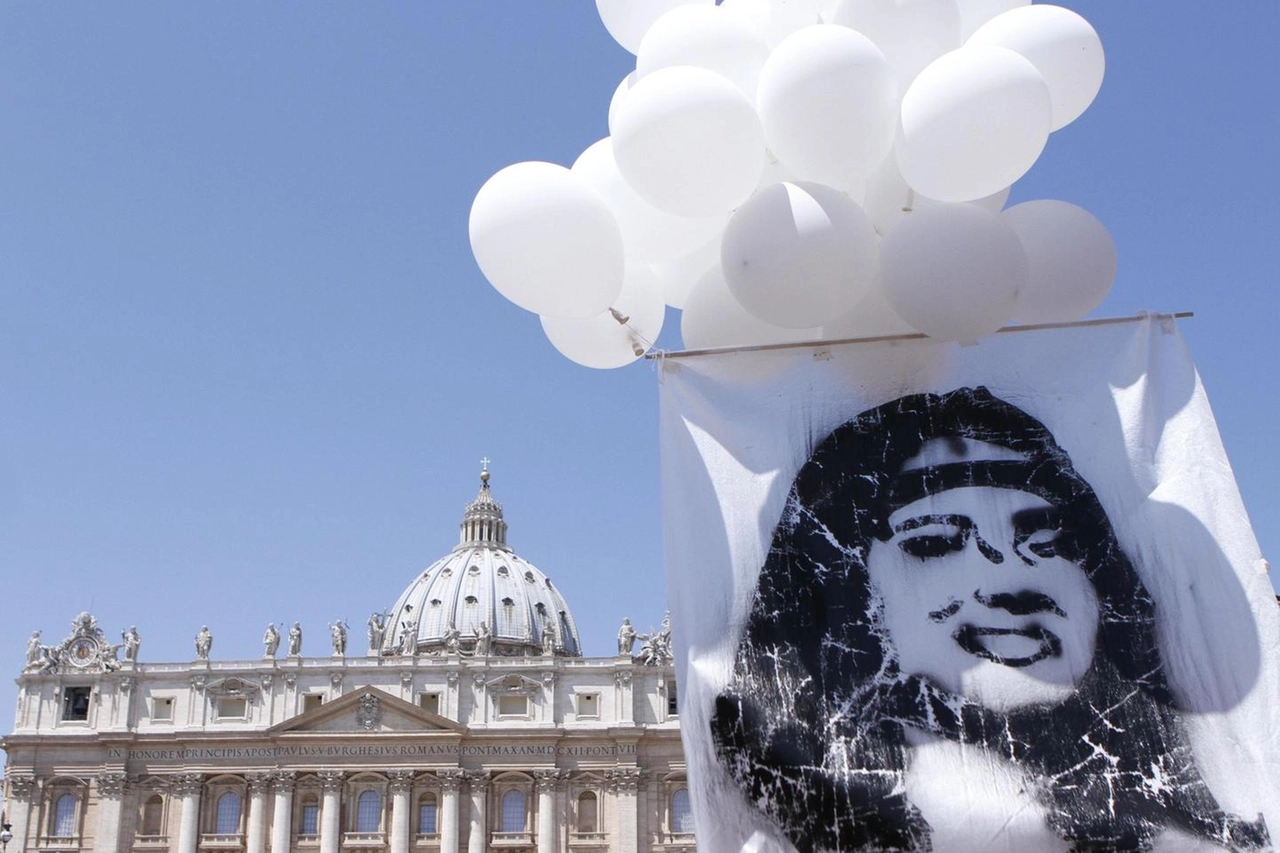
(466, 720)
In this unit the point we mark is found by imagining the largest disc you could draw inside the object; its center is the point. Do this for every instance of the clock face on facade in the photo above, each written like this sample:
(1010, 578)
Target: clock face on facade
(82, 652)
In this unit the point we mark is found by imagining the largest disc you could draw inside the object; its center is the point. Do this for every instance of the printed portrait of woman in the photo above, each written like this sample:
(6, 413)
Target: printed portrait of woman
(945, 613)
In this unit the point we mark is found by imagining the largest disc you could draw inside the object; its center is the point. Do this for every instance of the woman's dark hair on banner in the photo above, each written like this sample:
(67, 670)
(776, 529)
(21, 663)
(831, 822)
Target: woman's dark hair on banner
(941, 571)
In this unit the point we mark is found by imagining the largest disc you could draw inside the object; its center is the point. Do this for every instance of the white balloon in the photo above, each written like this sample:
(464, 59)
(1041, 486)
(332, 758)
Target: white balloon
(678, 277)
(911, 33)
(796, 255)
(828, 103)
(689, 142)
(649, 235)
(775, 171)
(972, 123)
(547, 241)
(1063, 47)
(1072, 260)
(975, 13)
(888, 198)
(618, 95)
(872, 317)
(776, 19)
(628, 20)
(705, 37)
(617, 337)
(954, 271)
(713, 318)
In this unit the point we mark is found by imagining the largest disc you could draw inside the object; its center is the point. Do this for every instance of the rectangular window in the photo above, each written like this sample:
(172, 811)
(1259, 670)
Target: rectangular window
(232, 707)
(513, 706)
(429, 702)
(75, 703)
(673, 706)
(312, 701)
(589, 705)
(310, 819)
(162, 709)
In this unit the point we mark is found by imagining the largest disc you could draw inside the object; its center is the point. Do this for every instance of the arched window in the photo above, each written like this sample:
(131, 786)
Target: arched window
(64, 817)
(427, 813)
(152, 815)
(309, 817)
(681, 812)
(227, 817)
(513, 811)
(369, 812)
(587, 813)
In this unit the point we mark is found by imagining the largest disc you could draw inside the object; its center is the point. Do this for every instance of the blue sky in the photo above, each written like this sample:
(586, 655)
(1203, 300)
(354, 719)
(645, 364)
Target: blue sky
(248, 365)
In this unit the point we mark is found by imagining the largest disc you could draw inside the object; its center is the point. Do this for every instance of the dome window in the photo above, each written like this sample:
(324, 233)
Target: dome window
(541, 608)
(446, 573)
(471, 599)
(435, 602)
(548, 580)
(528, 576)
(474, 570)
(506, 602)
(503, 572)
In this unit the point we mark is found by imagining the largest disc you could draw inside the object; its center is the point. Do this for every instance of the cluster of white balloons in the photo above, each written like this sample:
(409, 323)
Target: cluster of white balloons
(800, 170)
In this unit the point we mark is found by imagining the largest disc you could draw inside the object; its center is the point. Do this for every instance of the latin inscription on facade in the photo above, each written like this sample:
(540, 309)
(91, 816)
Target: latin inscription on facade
(249, 753)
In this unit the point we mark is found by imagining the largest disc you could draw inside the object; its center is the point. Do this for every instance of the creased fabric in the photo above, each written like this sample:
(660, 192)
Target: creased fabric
(999, 597)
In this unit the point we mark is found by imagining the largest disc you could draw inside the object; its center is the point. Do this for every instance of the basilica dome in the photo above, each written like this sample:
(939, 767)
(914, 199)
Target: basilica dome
(481, 598)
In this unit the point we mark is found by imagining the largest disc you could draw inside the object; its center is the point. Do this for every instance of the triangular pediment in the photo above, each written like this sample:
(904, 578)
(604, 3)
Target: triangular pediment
(367, 710)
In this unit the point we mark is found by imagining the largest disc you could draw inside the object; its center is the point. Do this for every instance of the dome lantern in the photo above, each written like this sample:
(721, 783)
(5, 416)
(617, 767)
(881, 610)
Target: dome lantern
(482, 523)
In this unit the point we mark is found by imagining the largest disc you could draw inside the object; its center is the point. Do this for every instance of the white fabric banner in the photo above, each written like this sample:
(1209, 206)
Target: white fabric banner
(1002, 597)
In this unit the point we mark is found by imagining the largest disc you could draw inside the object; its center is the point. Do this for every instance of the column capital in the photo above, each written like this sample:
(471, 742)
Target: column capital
(331, 779)
(20, 785)
(625, 779)
(259, 783)
(549, 779)
(477, 779)
(111, 785)
(185, 784)
(451, 779)
(401, 781)
(282, 781)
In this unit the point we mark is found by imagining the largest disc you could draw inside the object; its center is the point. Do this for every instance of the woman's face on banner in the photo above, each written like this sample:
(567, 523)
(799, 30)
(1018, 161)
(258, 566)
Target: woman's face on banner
(982, 595)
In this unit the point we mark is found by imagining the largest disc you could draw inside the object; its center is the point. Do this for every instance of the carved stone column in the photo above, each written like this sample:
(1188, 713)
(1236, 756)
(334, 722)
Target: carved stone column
(479, 784)
(401, 784)
(625, 782)
(548, 782)
(256, 834)
(187, 787)
(19, 810)
(282, 811)
(110, 808)
(330, 811)
(450, 781)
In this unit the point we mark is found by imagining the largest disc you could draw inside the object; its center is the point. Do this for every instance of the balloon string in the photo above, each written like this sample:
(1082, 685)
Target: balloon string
(639, 343)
